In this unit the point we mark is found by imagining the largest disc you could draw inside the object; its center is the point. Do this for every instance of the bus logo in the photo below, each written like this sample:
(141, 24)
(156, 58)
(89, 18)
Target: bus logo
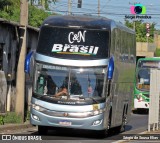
(65, 114)
(72, 37)
(79, 49)
(75, 49)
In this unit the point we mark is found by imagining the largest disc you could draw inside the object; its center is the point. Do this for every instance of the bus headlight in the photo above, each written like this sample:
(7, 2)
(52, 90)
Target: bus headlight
(37, 107)
(97, 112)
(86, 114)
(35, 117)
(97, 122)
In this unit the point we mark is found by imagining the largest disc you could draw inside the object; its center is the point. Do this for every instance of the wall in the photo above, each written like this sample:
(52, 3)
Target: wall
(9, 53)
(144, 49)
(157, 39)
(3, 92)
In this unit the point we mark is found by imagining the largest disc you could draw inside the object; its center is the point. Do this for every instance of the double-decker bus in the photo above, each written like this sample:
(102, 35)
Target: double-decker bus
(142, 82)
(84, 54)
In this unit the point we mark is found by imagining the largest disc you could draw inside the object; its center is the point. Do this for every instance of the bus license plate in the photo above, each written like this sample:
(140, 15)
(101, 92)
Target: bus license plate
(65, 123)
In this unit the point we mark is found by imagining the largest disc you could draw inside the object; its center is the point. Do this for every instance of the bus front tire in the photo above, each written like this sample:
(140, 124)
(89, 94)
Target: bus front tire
(42, 130)
(105, 133)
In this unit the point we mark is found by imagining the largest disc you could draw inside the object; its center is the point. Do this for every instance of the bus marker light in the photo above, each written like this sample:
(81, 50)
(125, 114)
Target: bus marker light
(27, 62)
(110, 68)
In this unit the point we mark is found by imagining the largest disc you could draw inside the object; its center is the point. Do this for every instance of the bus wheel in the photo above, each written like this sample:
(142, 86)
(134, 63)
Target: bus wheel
(42, 130)
(104, 133)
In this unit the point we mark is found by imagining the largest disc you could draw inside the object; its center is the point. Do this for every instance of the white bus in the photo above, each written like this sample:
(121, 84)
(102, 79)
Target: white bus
(84, 54)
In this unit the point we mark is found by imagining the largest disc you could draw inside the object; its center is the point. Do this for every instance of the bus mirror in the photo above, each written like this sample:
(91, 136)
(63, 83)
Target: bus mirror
(110, 68)
(28, 62)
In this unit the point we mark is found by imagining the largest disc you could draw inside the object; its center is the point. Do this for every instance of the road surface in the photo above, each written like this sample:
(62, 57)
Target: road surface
(137, 124)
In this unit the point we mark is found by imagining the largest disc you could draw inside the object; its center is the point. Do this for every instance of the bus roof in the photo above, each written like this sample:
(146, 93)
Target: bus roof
(84, 21)
(149, 59)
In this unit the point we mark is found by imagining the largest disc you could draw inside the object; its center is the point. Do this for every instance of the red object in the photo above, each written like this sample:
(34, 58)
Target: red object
(90, 89)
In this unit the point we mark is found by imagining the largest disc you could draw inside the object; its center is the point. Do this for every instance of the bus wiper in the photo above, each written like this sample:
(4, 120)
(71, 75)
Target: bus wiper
(81, 97)
(94, 100)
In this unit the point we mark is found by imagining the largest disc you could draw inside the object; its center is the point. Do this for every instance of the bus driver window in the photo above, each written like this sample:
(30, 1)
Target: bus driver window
(41, 82)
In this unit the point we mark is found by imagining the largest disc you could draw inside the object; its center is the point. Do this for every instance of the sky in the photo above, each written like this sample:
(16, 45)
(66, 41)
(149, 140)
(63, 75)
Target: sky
(112, 9)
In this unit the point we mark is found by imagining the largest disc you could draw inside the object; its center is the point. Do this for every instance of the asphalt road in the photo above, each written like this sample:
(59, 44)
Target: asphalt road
(137, 124)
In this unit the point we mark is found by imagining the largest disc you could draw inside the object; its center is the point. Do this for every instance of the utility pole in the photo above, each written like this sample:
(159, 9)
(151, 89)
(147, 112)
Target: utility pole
(69, 7)
(98, 7)
(20, 81)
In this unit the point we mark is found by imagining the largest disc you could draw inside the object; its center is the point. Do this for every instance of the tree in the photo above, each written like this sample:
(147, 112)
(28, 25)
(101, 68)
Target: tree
(36, 16)
(44, 3)
(10, 10)
(140, 29)
(5, 3)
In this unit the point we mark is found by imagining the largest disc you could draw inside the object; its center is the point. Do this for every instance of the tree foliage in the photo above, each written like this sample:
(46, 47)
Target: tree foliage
(10, 10)
(140, 29)
(5, 3)
(36, 16)
(44, 3)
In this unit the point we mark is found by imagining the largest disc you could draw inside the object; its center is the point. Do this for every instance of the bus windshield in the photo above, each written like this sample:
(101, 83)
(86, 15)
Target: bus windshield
(143, 79)
(143, 73)
(80, 82)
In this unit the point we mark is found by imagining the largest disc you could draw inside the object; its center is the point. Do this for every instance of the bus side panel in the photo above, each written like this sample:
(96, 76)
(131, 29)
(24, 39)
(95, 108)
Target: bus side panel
(123, 49)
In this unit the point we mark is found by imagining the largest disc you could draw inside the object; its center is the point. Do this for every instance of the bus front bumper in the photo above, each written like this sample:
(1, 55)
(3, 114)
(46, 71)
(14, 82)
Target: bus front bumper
(89, 123)
(138, 104)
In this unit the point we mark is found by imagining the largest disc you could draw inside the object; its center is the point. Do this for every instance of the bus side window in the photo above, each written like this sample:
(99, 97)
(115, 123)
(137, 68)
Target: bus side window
(40, 84)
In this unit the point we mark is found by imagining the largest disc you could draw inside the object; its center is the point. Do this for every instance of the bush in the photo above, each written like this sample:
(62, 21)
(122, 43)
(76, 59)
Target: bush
(157, 52)
(1, 120)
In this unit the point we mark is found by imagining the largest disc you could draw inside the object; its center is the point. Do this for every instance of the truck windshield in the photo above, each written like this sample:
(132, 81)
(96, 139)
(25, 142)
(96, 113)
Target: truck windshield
(79, 82)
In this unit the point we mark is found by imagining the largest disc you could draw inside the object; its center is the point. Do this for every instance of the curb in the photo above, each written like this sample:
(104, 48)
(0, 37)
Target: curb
(7, 127)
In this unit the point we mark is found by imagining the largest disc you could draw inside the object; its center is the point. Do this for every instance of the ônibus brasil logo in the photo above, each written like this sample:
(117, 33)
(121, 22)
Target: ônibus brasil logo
(138, 11)
(75, 49)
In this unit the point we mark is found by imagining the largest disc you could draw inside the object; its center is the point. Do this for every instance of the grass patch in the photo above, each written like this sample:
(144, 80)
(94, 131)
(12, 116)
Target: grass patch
(12, 117)
(1, 120)
(157, 52)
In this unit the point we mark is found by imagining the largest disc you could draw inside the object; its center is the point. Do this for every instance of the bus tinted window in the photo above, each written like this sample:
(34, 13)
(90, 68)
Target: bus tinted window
(143, 77)
(149, 64)
(73, 43)
(85, 82)
(143, 73)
